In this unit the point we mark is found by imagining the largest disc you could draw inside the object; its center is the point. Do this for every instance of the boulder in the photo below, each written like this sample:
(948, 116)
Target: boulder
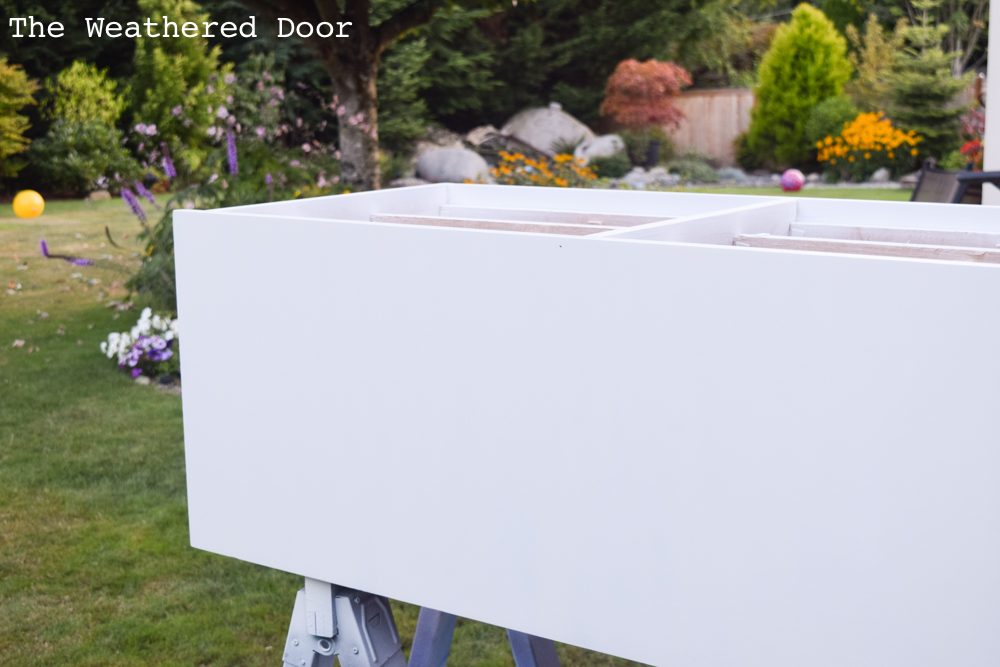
(453, 165)
(660, 176)
(544, 128)
(637, 179)
(478, 136)
(813, 178)
(406, 182)
(881, 176)
(733, 174)
(605, 145)
(99, 195)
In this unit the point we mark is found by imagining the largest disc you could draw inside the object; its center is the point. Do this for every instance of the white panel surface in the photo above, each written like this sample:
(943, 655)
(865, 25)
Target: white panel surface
(684, 455)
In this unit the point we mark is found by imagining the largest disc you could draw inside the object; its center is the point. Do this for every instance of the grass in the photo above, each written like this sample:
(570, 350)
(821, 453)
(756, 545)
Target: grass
(827, 193)
(95, 562)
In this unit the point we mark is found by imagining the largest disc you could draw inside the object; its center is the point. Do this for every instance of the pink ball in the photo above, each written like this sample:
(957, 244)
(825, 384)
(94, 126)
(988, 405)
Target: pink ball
(792, 180)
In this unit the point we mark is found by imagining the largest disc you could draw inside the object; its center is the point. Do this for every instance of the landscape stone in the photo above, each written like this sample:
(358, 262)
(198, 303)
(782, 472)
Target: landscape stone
(544, 127)
(99, 195)
(637, 178)
(881, 176)
(453, 165)
(813, 178)
(605, 145)
(733, 174)
(407, 182)
(478, 136)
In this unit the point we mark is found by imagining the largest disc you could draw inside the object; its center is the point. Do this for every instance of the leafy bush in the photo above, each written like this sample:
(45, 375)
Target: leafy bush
(179, 87)
(564, 171)
(76, 157)
(690, 168)
(15, 94)
(82, 93)
(746, 157)
(829, 117)
(613, 166)
(637, 144)
(867, 144)
(805, 65)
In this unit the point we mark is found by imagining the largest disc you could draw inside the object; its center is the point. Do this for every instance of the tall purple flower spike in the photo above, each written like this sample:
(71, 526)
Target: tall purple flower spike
(268, 179)
(234, 166)
(78, 261)
(168, 163)
(143, 192)
(133, 204)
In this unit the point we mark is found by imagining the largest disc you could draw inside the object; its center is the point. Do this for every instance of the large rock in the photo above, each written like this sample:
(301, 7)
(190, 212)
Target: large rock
(605, 145)
(545, 127)
(453, 165)
(881, 175)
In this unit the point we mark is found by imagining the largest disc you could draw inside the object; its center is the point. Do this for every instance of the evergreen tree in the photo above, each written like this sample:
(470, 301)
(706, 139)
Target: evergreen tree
(923, 89)
(874, 57)
(806, 64)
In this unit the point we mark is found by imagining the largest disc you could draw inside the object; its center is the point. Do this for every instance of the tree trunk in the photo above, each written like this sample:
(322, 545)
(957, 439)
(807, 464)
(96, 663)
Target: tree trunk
(354, 86)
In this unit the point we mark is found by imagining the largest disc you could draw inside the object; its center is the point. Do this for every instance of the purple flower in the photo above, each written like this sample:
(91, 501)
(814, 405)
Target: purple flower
(136, 373)
(267, 179)
(234, 167)
(143, 192)
(168, 164)
(133, 204)
(78, 261)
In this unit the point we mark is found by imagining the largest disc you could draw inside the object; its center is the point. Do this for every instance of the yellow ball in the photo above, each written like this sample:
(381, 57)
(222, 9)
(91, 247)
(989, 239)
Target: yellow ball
(28, 204)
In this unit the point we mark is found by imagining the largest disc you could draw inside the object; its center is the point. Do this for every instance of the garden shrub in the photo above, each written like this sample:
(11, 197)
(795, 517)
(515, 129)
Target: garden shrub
(76, 157)
(867, 144)
(637, 144)
(806, 64)
(612, 166)
(829, 117)
(16, 91)
(692, 168)
(81, 93)
(179, 87)
(746, 158)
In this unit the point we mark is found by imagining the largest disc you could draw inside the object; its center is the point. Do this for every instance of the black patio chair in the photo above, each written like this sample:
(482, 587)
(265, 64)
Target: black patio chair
(952, 187)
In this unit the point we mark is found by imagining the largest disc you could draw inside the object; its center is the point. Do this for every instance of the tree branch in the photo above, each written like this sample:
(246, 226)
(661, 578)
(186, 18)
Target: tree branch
(415, 14)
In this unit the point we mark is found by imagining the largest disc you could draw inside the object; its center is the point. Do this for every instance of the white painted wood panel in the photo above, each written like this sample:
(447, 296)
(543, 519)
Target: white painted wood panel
(686, 455)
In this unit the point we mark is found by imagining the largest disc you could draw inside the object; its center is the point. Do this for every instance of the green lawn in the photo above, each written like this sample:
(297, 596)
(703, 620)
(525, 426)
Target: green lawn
(831, 193)
(95, 567)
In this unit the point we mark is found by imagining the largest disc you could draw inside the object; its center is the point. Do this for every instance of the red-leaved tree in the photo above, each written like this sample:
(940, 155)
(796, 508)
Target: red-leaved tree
(640, 95)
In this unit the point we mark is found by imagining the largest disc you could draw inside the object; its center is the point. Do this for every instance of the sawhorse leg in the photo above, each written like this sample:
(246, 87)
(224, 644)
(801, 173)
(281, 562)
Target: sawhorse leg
(435, 630)
(532, 651)
(432, 641)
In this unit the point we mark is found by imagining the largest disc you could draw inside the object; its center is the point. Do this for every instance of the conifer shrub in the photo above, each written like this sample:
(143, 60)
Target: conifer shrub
(806, 64)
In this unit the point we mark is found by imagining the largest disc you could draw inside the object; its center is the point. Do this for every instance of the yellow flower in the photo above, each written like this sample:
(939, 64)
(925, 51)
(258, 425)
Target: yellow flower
(868, 156)
(914, 152)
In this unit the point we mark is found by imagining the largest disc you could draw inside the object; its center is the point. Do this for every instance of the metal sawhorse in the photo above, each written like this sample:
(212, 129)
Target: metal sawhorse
(330, 621)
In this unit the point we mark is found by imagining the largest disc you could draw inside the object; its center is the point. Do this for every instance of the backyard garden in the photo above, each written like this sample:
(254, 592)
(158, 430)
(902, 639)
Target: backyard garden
(115, 133)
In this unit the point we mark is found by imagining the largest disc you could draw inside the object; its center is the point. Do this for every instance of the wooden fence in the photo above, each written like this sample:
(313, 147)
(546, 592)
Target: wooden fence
(714, 118)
